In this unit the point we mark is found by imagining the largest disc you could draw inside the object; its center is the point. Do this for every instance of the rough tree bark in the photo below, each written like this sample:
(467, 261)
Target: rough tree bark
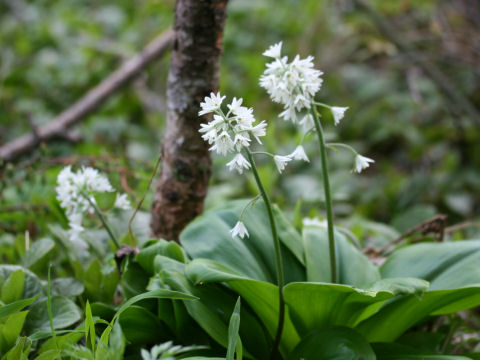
(194, 73)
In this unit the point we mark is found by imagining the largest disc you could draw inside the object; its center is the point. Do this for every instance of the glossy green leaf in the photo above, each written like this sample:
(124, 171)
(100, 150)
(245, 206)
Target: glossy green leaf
(317, 305)
(261, 296)
(169, 249)
(398, 316)
(154, 294)
(353, 268)
(141, 327)
(333, 343)
(209, 237)
(444, 265)
(212, 310)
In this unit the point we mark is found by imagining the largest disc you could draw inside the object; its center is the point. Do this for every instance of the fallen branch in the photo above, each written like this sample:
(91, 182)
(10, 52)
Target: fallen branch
(89, 102)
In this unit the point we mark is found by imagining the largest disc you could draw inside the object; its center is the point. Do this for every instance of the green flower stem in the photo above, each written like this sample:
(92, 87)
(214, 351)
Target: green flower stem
(328, 199)
(102, 219)
(278, 255)
(348, 147)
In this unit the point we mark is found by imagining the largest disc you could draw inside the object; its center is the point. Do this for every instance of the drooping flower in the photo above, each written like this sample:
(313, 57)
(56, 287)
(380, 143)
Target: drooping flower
(299, 154)
(362, 162)
(292, 84)
(240, 230)
(238, 163)
(338, 113)
(281, 162)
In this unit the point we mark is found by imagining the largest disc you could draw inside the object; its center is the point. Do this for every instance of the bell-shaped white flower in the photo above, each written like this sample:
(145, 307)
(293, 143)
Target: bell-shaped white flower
(299, 154)
(338, 113)
(281, 162)
(223, 144)
(239, 163)
(274, 51)
(362, 162)
(240, 230)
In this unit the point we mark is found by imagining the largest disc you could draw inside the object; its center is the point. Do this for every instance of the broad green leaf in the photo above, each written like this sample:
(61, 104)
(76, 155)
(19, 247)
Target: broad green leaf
(36, 256)
(155, 294)
(444, 265)
(64, 311)
(333, 343)
(317, 305)
(141, 327)
(16, 306)
(398, 316)
(169, 249)
(212, 310)
(64, 339)
(68, 287)
(353, 268)
(391, 351)
(233, 328)
(209, 237)
(12, 289)
(261, 296)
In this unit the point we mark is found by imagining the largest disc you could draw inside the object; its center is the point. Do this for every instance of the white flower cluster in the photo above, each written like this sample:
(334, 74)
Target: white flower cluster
(292, 84)
(72, 192)
(231, 132)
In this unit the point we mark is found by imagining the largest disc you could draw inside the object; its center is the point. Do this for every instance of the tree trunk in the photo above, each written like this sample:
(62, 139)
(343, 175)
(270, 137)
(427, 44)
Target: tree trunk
(194, 73)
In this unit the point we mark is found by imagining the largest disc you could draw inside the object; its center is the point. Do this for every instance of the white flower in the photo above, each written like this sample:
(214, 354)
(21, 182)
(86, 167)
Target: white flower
(307, 122)
(299, 154)
(211, 103)
(281, 162)
(274, 51)
(362, 162)
(292, 84)
(232, 132)
(235, 105)
(223, 144)
(338, 113)
(314, 222)
(121, 202)
(239, 229)
(238, 163)
(75, 192)
(259, 130)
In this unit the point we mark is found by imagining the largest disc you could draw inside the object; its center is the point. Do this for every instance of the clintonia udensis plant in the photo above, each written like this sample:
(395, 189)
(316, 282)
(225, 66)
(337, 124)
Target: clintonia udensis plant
(293, 84)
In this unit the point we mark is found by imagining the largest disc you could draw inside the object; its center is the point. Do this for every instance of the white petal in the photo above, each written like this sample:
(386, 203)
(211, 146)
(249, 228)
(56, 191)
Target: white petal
(338, 113)
(362, 162)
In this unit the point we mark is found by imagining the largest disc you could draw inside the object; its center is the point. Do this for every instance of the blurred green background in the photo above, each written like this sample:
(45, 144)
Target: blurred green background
(426, 149)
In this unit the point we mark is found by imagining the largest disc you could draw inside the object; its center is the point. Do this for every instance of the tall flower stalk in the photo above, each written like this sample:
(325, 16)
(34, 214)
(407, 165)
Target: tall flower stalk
(233, 132)
(295, 84)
